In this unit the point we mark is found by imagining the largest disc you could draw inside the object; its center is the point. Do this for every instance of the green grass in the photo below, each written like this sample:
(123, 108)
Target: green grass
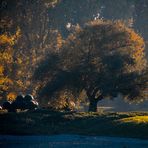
(45, 122)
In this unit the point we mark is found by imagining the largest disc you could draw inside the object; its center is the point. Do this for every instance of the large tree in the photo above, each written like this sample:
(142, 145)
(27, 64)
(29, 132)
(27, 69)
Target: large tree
(104, 58)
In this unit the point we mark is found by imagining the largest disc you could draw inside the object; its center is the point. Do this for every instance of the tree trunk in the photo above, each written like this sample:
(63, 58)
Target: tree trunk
(93, 105)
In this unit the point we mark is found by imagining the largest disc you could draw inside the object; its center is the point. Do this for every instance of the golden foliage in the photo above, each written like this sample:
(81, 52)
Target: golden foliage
(63, 99)
(5, 39)
(9, 39)
(138, 49)
(8, 64)
(11, 96)
(1, 70)
(135, 46)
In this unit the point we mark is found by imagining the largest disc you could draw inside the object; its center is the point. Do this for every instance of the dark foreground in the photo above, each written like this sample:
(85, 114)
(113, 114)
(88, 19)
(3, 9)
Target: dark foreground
(70, 141)
(46, 122)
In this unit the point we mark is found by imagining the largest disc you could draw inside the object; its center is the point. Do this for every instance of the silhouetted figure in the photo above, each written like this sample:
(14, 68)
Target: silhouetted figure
(19, 102)
(30, 102)
(8, 106)
(28, 97)
(22, 103)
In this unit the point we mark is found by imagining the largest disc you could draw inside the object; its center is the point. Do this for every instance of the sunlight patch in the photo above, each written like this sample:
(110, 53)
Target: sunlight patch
(136, 119)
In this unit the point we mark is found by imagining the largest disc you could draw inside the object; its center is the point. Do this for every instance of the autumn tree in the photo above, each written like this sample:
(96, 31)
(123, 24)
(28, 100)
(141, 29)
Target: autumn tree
(104, 59)
(35, 41)
(10, 66)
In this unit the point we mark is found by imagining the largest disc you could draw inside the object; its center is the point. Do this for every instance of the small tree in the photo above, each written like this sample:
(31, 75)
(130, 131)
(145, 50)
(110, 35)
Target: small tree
(104, 58)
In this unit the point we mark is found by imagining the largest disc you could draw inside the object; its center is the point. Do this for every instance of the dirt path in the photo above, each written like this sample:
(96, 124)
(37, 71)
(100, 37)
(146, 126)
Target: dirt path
(70, 141)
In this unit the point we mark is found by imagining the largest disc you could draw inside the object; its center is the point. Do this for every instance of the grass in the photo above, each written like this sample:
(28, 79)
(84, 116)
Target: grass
(135, 120)
(46, 122)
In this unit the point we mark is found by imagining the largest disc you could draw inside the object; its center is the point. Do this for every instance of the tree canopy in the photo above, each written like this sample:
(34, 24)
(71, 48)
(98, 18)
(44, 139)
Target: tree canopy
(104, 58)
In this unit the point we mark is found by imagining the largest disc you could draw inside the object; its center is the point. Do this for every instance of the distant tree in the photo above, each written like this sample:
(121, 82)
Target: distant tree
(104, 58)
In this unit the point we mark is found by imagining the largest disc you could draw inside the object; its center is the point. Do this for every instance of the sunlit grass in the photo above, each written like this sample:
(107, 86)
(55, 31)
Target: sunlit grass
(46, 122)
(135, 119)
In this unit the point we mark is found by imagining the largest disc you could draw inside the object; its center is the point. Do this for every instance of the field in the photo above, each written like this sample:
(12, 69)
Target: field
(46, 122)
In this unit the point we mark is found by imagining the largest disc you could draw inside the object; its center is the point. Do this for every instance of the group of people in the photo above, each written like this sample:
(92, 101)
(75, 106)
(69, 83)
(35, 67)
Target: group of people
(21, 102)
